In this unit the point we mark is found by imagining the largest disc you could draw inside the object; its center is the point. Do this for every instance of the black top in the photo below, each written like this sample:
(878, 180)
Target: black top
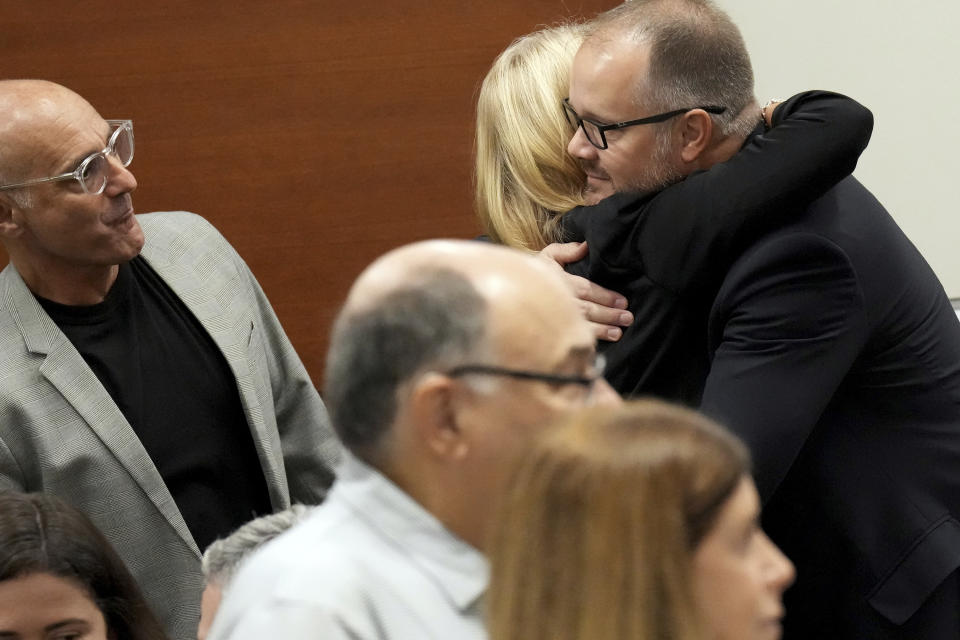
(667, 252)
(176, 390)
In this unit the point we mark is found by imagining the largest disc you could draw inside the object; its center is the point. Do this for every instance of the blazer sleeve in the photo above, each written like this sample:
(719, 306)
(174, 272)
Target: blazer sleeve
(694, 230)
(310, 446)
(785, 329)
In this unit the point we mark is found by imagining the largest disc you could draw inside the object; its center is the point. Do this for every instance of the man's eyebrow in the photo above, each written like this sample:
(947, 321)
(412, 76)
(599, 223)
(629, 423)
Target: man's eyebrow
(597, 119)
(68, 167)
(578, 354)
(71, 165)
(581, 351)
(589, 115)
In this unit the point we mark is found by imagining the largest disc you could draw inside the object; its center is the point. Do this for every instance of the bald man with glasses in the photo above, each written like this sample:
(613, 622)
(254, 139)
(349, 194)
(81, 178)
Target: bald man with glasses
(447, 359)
(146, 380)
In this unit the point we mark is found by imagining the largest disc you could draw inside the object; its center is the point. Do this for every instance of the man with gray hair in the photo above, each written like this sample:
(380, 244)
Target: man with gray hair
(223, 557)
(833, 350)
(446, 359)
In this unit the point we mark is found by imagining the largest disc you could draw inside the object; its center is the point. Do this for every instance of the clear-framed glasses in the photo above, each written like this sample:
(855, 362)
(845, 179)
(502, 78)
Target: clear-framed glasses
(586, 381)
(93, 171)
(596, 131)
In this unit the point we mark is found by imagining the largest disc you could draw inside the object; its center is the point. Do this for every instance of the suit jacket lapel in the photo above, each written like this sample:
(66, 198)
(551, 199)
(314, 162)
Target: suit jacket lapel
(64, 368)
(212, 300)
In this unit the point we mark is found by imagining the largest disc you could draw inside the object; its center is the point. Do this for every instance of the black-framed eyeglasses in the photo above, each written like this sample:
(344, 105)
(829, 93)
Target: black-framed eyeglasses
(596, 131)
(92, 172)
(586, 381)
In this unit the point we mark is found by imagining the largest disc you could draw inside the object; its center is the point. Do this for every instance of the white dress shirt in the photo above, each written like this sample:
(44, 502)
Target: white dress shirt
(370, 563)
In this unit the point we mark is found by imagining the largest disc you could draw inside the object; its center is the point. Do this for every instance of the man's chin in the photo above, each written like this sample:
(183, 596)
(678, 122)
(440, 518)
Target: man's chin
(132, 242)
(594, 193)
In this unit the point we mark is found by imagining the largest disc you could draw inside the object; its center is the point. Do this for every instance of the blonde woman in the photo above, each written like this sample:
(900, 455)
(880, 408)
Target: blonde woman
(635, 523)
(525, 179)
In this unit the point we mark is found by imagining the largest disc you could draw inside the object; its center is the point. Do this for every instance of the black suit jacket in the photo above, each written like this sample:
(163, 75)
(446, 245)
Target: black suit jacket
(836, 356)
(831, 349)
(667, 252)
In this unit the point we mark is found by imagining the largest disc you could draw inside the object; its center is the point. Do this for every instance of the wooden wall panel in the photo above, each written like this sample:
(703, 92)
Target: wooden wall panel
(314, 134)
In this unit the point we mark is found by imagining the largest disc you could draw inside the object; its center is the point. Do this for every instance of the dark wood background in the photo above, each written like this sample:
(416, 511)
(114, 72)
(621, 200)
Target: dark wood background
(315, 135)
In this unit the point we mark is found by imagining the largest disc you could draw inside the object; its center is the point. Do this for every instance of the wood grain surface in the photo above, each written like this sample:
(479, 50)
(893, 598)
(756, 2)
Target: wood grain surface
(315, 135)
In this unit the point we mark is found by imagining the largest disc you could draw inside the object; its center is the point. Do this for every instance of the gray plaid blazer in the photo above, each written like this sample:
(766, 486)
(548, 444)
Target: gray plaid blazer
(60, 432)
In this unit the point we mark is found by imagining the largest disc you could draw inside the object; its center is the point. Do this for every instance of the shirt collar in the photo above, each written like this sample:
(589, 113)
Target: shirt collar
(454, 565)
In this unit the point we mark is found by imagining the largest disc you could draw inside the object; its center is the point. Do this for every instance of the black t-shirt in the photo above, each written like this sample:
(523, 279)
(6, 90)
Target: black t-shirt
(176, 390)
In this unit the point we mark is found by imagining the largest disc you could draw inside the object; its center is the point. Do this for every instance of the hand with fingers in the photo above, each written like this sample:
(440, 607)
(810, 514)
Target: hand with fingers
(605, 309)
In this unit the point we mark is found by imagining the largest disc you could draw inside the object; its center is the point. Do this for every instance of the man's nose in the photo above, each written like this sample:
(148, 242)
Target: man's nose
(119, 179)
(581, 148)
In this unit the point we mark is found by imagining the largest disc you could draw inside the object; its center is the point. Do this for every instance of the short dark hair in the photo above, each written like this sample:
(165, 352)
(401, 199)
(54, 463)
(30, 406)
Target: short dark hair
(697, 57)
(435, 320)
(39, 533)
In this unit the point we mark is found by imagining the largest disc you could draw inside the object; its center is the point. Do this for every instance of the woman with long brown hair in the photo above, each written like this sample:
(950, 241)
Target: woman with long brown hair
(59, 577)
(638, 522)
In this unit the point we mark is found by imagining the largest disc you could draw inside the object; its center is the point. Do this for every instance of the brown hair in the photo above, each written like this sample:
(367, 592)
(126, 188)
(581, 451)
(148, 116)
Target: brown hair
(598, 528)
(39, 533)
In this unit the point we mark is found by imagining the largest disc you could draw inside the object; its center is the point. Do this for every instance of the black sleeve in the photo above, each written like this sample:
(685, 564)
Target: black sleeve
(688, 235)
(787, 326)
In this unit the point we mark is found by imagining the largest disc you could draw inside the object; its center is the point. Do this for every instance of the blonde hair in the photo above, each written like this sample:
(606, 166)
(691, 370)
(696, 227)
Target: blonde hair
(524, 178)
(600, 522)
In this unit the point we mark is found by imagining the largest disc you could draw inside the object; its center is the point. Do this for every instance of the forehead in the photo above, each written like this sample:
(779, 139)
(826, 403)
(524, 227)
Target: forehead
(741, 508)
(605, 77)
(46, 594)
(62, 134)
(538, 326)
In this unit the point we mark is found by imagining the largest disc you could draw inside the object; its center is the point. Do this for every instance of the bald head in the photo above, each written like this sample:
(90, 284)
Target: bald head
(494, 271)
(447, 359)
(64, 238)
(27, 109)
(428, 306)
(29, 99)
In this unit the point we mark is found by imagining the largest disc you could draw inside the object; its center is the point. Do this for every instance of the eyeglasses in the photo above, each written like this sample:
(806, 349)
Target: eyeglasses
(599, 364)
(596, 131)
(93, 171)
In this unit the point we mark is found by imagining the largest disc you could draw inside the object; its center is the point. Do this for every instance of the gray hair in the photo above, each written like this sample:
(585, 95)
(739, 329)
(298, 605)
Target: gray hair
(223, 557)
(697, 58)
(434, 320)
(12, 171)
(21, 197)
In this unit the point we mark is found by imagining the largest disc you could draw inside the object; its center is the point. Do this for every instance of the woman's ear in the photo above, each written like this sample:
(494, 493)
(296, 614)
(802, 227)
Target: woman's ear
(696, 132)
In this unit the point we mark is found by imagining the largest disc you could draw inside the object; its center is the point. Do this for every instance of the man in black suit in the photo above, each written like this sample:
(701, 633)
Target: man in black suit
(834, 351)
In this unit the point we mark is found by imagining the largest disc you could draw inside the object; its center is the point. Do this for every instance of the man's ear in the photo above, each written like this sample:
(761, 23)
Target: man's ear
(696, 132)
(10, 218)
(433, 410)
